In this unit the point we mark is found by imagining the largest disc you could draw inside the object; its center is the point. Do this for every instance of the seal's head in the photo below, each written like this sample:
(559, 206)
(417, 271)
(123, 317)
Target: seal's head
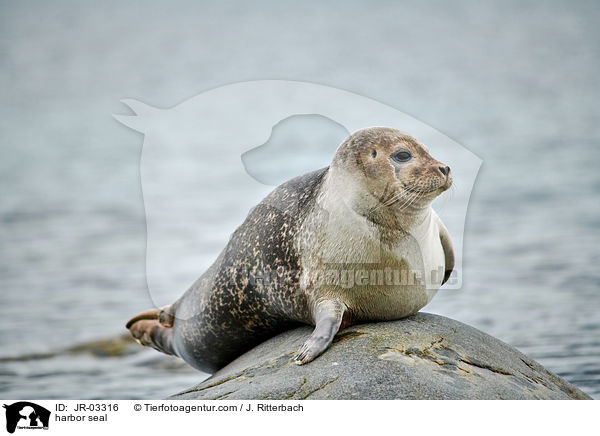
(397, 175)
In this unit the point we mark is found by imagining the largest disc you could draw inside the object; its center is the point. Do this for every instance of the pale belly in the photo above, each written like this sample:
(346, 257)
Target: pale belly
(403, 291)
(405, 280)
(375, 280)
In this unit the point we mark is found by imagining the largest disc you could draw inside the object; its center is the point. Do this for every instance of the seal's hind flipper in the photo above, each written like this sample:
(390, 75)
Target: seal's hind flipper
(165, 315)
(153, 328)
(148, 314)
(150, 333)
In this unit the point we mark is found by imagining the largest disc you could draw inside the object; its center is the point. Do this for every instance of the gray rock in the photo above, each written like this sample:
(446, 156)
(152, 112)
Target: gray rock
(424, 356)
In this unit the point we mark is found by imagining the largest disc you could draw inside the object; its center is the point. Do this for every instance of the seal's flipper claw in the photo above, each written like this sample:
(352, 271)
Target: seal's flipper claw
(300, 356)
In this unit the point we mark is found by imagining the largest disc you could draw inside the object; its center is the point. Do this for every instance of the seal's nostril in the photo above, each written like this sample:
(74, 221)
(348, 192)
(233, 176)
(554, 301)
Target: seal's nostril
(445, 170)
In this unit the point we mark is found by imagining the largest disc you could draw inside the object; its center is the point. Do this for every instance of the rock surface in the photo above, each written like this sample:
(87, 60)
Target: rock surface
(424, 356)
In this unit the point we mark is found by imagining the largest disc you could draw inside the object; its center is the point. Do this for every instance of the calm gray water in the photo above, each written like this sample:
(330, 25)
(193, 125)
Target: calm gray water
(514, 82)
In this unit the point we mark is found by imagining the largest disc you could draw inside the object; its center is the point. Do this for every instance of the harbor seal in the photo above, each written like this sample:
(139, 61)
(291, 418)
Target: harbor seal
(354, 242)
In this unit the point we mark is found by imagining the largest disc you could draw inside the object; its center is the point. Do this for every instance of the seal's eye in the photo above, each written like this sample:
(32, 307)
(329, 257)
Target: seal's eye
(402, 156)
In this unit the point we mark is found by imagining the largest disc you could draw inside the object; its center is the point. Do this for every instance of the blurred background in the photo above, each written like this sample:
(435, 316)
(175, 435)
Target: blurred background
(515, 82)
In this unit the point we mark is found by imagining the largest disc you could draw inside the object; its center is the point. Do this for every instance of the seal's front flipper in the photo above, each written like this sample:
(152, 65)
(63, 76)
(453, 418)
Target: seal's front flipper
(328, 318)
(448, 251)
